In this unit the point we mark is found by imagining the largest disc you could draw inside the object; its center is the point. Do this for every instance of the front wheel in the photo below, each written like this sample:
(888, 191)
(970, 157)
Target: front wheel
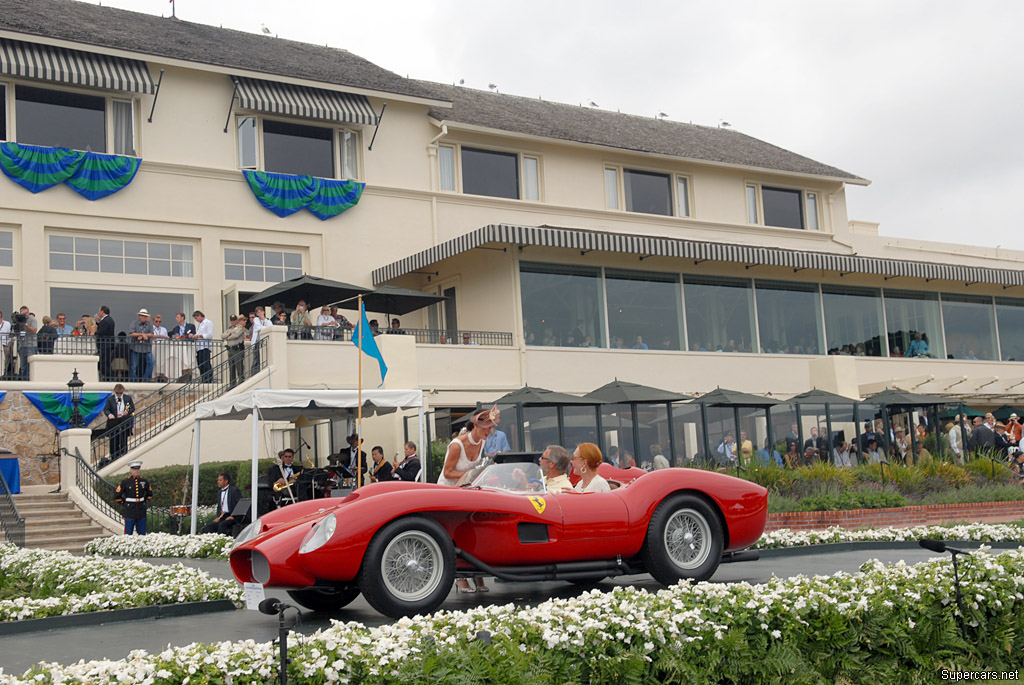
(318, 599)
(684, 540)
(409, 567)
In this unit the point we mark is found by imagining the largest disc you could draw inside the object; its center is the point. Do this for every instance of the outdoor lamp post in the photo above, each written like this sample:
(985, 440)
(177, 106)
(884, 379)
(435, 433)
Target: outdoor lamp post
(75, 386)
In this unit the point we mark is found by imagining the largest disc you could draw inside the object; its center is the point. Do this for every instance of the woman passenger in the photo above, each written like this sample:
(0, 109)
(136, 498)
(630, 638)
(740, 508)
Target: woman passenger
(585, 460)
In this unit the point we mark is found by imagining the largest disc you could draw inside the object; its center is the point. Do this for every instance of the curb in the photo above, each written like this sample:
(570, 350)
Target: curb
(831, 547)
(93, 618)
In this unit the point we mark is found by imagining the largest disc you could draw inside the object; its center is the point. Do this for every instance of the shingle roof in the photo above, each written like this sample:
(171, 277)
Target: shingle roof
(111, 28)
(624, 131)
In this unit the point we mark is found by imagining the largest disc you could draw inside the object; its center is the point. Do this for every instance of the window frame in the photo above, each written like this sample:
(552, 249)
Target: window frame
(521, 157)
(100, 272)
(808, 196)
(9, 102)
(674, 179)
(338, 143)
(301, 252)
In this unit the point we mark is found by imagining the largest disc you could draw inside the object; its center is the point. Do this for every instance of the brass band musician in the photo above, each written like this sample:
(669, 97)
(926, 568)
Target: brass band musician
(282, 476)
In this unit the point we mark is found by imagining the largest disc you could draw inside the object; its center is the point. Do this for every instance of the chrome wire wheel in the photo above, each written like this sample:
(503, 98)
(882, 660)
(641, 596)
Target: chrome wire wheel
(412, 565)
(687, 538)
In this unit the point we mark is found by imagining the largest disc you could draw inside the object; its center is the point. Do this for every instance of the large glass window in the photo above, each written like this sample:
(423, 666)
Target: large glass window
(491, 173)
(643, 310)
(970, 327)
(719, 314)
(789, 318)
(853, 321)
(298, 149)
(272, 266)
(782, 207)
(114, 256)
(124, 304)
(647, 192)
(1010, 315)
(562, 305)
(914, 323)
(7, 304)
(60, 119)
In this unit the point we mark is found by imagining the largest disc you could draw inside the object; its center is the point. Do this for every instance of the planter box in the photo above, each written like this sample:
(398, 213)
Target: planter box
(899, 517)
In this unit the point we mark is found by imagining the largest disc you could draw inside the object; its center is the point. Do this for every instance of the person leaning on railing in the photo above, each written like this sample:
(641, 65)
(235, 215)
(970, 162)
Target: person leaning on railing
(234, 340)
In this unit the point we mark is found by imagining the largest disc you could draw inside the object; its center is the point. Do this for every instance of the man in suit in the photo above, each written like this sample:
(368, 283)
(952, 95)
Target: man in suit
(183, 329)
(982, 438)
(227, 499)
(409, 467)
(118, 410)
(282, 474)
(356, 457)
(105, 340)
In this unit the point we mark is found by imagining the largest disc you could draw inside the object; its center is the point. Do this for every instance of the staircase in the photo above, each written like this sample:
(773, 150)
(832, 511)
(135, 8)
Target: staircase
(54, 522)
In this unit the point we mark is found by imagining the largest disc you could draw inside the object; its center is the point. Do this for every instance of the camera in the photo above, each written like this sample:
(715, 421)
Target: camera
(18, 317)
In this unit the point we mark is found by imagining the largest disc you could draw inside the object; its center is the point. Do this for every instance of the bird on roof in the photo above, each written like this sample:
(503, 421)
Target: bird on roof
(492, 86)
(594, 104)
(263, 27)
(662, 115)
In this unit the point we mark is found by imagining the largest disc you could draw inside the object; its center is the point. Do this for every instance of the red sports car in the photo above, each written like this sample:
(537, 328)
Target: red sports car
(403, 544)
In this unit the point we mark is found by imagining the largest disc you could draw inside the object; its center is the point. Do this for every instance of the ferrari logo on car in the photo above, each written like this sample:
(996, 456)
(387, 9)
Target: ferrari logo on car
(538, 503)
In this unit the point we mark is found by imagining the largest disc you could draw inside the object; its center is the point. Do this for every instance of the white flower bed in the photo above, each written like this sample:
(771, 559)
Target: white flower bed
(824, 628)
(201, 546)
(977, 532)
(81, 584)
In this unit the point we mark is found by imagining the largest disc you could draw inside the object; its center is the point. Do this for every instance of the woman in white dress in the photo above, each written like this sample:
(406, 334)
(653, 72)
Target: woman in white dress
(464, 453)
(585, 460)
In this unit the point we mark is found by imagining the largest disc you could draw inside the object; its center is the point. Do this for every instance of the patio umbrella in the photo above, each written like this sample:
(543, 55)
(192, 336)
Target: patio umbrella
(821, 397)
(622, 392)
(721, 397)
(391, 299)
(902, 398)
(1003, 413)
(314, 290)
(529, 396)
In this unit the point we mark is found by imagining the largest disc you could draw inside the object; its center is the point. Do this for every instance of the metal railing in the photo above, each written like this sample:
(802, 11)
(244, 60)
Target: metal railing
(11, 521)
(98, 491)
(232, 368)
(430, 336)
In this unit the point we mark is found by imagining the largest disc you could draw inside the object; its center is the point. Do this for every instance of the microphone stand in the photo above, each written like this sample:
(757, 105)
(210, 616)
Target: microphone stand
(272, 606)
(940, 547)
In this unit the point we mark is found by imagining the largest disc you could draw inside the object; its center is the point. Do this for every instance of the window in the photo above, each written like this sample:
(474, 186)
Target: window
(562, 305)
(290, 148)
(1010, 316)
(788, 317)
(60, 119)
(914, 324)
(113, 256)
(643, 309)
(124, 126)
(124, 304)
(489, 172)
(970, 327)
(6, 248)
(647, 192)
(782, 207)
(719, 314)
(271, 266)
(853, 321)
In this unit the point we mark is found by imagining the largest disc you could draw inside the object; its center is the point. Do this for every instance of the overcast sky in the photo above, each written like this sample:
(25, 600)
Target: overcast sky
(921, 97)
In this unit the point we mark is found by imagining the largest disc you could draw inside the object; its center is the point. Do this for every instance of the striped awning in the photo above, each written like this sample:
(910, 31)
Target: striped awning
(582, 239)
(301, 101)
(74, 67)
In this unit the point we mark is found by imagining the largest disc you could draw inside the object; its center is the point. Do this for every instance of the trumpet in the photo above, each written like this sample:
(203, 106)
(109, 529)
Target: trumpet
(278, 487)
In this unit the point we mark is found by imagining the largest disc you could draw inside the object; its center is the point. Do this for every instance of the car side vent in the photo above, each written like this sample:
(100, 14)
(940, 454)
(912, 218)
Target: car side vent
(533, 532)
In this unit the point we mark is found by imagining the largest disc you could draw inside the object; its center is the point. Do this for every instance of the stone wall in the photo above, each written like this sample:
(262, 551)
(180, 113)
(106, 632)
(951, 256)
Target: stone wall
(25, 432)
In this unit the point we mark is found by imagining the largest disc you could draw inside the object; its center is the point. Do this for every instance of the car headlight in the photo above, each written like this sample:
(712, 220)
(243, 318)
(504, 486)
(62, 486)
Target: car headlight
(248, 533)
(321, 533)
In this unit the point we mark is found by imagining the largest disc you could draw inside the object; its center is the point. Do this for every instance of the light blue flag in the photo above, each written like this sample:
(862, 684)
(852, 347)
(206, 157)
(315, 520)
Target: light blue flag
(363, 336)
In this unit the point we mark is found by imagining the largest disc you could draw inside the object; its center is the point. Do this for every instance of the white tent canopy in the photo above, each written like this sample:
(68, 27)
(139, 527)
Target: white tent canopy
(292, 405)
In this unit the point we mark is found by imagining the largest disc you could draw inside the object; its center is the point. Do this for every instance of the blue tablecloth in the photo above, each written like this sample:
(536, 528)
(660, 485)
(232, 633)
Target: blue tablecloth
(11, 472)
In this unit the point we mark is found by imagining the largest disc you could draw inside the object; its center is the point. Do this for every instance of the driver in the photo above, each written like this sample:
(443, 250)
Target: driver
(554, 463)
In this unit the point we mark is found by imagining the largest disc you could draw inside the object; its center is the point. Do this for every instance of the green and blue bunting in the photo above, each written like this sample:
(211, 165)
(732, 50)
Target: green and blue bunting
(56, 406)
(285, 194)
(90, 174)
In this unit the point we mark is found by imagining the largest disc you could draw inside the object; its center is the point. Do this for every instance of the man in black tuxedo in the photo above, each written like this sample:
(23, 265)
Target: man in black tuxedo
(356, 457)
(982, 437)
(282, 474)
(105, 340)
(118, 410)
(409, 467)
(227, 499)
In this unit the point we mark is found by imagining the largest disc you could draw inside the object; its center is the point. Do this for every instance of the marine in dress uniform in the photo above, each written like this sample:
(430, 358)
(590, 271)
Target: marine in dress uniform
(134, 493)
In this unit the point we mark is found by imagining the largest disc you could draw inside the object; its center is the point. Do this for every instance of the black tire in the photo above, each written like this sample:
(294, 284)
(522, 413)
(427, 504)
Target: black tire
(409, 567)
(318, 599)
(684, 540)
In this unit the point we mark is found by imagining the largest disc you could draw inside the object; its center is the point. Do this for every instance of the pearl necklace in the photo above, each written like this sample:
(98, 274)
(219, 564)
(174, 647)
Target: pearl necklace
(473, 442)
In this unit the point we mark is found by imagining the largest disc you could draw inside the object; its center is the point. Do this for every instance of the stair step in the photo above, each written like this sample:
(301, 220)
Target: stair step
(58, 539)
(63, 508)
(46, 527)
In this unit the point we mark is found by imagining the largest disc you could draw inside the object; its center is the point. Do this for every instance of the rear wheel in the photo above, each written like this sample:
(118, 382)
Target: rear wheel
(409, 567)
(319, 599)
(684, 540)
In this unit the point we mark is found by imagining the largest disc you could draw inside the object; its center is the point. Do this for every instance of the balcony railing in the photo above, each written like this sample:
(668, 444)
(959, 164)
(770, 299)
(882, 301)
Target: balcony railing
(428, 336)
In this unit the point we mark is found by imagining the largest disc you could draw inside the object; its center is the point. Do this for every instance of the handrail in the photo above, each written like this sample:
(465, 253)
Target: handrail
(11, 521)
(99, 492)
(179, 403)
(429, 336)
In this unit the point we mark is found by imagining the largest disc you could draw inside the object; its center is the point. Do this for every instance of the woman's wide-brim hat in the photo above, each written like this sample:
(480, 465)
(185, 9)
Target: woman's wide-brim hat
(487, 418)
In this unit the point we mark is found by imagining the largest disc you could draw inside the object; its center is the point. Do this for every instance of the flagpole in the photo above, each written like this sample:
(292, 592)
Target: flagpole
(359, 419)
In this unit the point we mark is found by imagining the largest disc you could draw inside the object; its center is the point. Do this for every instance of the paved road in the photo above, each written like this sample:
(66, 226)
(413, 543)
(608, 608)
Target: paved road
(115, 640)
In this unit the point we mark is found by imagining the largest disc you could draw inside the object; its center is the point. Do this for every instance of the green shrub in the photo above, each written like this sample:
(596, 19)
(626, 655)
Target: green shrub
(865, 498)
(169, 482)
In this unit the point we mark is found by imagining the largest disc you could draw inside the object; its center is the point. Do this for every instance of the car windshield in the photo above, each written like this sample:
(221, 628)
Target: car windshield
(523, 478)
